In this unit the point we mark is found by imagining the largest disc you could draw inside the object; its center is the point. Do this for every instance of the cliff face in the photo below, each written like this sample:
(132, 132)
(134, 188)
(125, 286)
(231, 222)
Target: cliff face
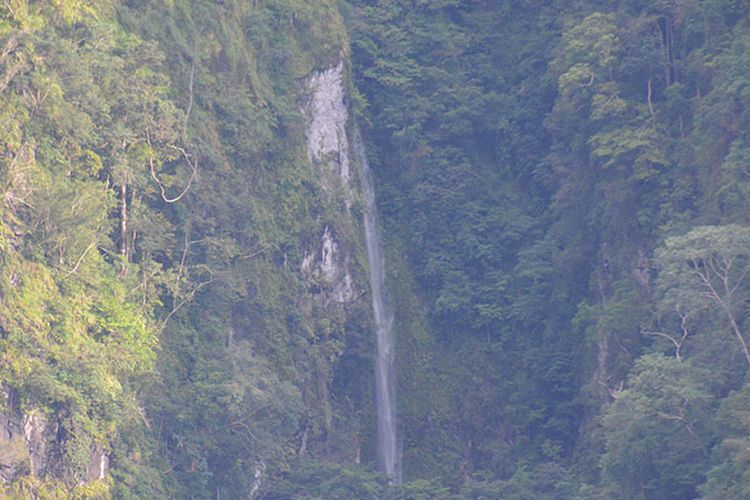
(184, 307)
(334, 267)
(219, 208)
(290, 380)
(328, 147)
(33, 445)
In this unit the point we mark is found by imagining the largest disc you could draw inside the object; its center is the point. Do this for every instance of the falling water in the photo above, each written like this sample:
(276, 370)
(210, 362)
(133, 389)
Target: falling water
(385, 387)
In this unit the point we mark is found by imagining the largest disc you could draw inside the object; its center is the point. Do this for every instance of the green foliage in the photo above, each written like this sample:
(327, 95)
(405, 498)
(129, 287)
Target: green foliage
(316, 481)
(655, 431)
(77, 339)
(543, 481)
(250, 355)
(530, 161)
(703, 271)
(728, 477)
(564, 191)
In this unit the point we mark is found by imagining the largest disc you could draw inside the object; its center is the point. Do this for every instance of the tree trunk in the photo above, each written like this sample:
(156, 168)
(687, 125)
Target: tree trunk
(738, 334)
(124, 222)
(666, 26)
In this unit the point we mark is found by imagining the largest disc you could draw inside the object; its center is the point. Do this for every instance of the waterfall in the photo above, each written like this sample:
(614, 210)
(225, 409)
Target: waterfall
(385, 376)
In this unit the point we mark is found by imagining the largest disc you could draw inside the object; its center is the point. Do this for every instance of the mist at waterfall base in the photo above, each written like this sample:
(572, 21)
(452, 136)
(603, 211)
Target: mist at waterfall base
(385, 379)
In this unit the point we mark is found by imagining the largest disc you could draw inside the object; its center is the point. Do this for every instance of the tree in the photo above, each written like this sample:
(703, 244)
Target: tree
(312, 480)
(707, 267)
(655, 443)
(730, 475)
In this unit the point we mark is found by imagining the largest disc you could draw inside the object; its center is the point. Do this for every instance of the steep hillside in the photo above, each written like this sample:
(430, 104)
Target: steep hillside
(535, 162)
(185, 294)
(184, 275)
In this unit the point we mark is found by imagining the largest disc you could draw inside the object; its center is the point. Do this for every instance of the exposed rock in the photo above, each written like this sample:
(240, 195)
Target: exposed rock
(258, 474)
(328, 147)
(98, 465)
(330, 266)
(38, 437)
(29, 446)
(327, 115)
(14, 456)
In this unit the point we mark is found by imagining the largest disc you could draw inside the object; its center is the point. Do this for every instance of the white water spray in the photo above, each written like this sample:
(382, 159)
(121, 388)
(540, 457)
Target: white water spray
(385, 379)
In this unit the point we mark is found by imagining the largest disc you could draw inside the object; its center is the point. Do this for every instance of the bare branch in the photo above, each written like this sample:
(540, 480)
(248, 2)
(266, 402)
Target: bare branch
(650, 96)
(722, 302)
(613, 393)
(739, 282)
(185, 301)
(243, 424)
(80, 259)
(676, 343)
(144, 418)
(193, 166)
(678, 418)
(250, 414)
(190, 98)
(10, 45)
(10, 8)
(256, 250)
(681, 417)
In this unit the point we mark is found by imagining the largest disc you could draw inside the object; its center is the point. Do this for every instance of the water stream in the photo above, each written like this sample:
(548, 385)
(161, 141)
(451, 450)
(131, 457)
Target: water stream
(385, 376)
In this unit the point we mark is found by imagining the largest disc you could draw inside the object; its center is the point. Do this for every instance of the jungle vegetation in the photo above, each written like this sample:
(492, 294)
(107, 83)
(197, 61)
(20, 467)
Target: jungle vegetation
(564, 190)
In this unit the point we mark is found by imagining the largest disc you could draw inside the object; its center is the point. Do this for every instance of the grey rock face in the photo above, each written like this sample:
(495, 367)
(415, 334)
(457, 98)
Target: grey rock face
(30, 446)
(328, 147)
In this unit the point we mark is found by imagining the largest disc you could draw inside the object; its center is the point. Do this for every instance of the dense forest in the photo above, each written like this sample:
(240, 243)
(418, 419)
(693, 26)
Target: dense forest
(563, 195)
